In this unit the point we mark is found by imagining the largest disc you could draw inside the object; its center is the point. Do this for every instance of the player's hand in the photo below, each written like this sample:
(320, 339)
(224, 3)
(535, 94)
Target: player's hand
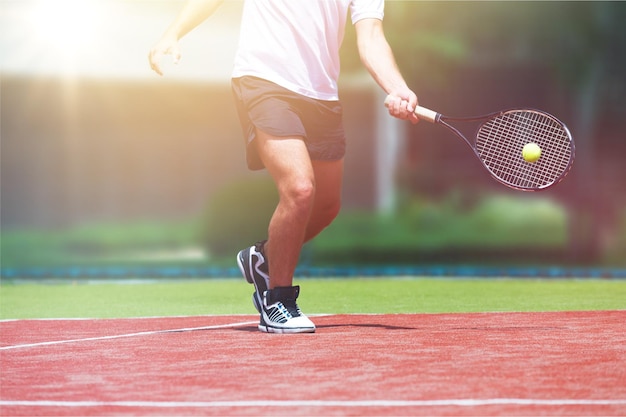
(402, 106)
(166, 46)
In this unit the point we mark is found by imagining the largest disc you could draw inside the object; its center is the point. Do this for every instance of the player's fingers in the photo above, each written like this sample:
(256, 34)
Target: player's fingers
(413, 103)
(154, 57)
(389, 104)
(397, 107)
(390, 101)
(402, 108)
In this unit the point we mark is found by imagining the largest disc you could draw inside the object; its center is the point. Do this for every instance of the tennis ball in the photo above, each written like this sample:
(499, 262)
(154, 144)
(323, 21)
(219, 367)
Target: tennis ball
(531, 152)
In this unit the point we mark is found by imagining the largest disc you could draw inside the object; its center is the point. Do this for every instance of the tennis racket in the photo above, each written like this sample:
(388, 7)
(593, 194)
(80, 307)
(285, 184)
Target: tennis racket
(500, 139)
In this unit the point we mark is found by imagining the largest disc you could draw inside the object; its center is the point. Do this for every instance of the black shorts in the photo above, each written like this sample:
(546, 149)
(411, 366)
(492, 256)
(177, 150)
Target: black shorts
(266, 106)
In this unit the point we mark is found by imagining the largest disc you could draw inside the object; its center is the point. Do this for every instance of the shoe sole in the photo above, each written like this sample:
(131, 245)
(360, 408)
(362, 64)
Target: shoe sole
(285, 330)
(268, 328)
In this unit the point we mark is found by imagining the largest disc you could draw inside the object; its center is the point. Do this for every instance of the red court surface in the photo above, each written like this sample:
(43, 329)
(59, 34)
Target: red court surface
(557, 363)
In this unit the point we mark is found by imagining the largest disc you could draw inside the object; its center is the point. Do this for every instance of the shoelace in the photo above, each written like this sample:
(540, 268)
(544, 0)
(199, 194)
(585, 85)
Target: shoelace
(292, 308)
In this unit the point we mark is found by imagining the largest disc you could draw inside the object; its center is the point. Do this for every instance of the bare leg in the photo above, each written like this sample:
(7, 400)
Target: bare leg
(328, 180)
(287, 161)
(309, 200)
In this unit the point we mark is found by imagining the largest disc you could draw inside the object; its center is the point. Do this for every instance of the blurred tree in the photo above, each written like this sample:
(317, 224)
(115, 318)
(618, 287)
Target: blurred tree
(237, 215)
(593, 64)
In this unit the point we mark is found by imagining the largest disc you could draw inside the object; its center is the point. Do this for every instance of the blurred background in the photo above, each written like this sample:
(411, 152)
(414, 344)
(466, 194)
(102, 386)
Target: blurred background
(107, 167)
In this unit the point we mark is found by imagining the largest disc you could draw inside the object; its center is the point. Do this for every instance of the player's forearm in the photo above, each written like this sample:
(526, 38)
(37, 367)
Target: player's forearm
(377, 57)
(191, 15)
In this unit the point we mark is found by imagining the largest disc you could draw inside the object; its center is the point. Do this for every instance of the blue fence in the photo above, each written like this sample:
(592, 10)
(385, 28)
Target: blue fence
(156, 272)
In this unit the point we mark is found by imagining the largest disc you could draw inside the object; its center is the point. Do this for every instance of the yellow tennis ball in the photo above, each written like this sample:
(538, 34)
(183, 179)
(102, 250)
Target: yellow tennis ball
(531, 152)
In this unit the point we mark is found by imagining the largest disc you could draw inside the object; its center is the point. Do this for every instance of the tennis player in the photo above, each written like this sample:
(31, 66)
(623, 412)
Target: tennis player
(285, 85)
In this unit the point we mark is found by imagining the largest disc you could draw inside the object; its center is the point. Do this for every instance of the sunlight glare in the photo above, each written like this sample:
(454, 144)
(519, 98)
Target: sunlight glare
(67, 26)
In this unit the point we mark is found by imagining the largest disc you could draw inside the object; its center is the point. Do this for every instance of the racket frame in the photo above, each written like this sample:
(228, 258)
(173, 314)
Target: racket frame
(438, 118)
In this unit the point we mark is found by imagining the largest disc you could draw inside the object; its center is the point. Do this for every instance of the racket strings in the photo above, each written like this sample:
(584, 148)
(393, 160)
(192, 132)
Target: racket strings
(500, 140)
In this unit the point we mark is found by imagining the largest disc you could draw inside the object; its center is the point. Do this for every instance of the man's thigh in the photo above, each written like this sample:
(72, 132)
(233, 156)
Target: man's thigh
(286, 159)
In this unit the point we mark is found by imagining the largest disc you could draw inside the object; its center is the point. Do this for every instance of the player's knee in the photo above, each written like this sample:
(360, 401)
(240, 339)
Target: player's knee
(301, 195)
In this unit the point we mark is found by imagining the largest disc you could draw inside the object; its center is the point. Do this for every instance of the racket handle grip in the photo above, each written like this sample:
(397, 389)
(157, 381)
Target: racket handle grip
(426, 114)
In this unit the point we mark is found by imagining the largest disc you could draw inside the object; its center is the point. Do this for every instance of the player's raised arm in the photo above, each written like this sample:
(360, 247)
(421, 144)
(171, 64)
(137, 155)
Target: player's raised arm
(191, 15)
(377, 56)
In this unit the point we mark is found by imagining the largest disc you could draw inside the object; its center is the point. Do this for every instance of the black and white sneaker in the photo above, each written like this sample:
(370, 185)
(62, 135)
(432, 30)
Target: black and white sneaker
(252, 264)
(280, 313)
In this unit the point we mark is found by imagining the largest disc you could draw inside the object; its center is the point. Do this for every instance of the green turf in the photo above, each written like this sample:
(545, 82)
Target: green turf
(383, 295)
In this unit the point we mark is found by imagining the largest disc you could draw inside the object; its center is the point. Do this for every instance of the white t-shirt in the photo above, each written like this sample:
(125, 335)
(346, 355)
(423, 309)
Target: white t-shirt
(295, 43)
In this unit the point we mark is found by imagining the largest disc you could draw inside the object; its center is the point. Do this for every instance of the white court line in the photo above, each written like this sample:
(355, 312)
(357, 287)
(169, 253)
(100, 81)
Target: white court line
(122, 318)
(120, 336)
(152, 332)
(320, 403)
